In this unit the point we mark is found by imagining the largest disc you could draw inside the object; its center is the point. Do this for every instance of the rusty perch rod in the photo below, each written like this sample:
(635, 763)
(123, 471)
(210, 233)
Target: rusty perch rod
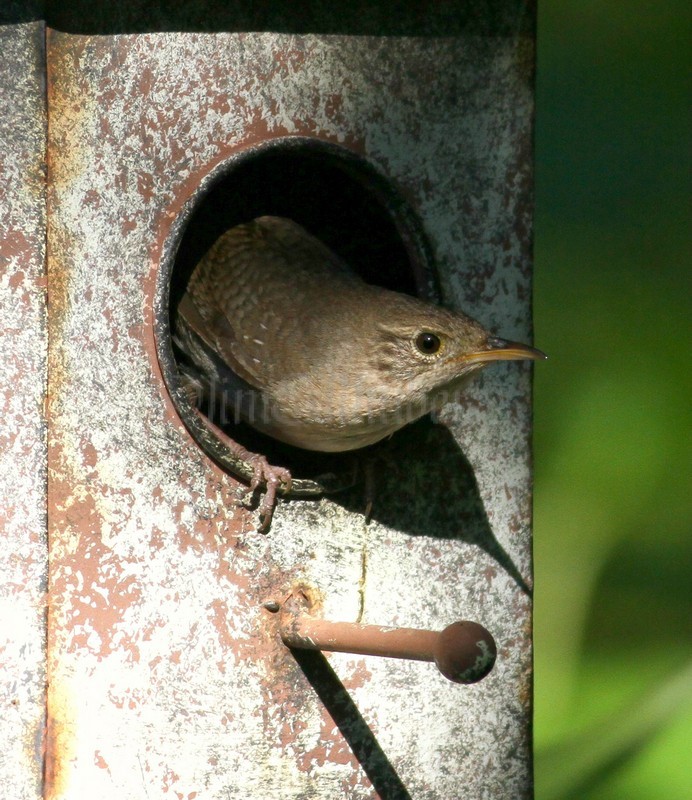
(464, 651)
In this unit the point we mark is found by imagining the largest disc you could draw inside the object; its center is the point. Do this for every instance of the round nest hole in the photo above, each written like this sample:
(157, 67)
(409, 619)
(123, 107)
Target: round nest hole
(339, 198)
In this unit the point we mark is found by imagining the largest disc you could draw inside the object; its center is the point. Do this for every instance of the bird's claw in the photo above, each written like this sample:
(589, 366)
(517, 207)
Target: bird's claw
(271, 478)
(264, 474)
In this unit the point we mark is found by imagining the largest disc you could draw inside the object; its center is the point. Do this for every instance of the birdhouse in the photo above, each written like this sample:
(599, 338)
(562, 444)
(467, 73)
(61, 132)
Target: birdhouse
(156, 638)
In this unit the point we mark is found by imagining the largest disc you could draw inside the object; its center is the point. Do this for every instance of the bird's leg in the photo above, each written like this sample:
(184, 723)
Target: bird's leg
(271, 477)
(254, 468)
(369, 485)
(376, 460)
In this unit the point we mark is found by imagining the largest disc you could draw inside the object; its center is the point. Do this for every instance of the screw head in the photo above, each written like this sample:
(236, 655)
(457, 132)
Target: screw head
(465, 652)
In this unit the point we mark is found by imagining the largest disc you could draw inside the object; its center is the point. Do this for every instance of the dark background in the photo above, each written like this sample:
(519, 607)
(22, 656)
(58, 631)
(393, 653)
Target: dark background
(612, 308)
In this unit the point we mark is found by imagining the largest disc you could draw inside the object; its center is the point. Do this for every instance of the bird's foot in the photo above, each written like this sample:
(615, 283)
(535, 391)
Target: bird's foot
(257, 471)
(271, 478)
(369, 464)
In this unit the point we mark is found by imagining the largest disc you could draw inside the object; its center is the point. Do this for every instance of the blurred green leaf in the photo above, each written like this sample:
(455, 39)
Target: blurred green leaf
(613, 493)
(570, 767)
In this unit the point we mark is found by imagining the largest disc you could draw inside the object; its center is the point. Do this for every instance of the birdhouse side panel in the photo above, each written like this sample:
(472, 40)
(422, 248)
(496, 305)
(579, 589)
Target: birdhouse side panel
(23, 549)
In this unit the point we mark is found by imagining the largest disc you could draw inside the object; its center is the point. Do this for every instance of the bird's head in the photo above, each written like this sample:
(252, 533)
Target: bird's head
(427, 353)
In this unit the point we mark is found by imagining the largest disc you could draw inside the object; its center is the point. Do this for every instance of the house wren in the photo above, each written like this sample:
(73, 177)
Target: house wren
(280, 331)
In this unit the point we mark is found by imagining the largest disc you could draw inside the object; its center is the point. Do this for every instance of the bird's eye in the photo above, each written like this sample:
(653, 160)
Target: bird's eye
(428, 343)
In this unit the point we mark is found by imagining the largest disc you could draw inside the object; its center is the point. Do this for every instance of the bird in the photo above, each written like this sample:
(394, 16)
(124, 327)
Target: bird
(277, 329)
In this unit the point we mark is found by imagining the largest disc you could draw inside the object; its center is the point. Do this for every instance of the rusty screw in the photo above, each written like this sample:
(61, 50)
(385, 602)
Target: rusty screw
(464, 652)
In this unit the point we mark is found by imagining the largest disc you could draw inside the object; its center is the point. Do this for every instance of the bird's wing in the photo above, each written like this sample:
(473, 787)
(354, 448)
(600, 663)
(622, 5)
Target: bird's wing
(216, 332)
(255, 295)
(259, 299)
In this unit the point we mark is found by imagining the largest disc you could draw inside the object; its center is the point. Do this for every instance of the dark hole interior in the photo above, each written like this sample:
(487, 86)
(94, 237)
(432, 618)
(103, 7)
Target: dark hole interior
(337, 197)
(340, 199)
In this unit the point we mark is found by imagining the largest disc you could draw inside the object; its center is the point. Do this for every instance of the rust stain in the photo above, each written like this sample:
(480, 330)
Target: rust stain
(60, 741)
(69, 100)
(101, 762)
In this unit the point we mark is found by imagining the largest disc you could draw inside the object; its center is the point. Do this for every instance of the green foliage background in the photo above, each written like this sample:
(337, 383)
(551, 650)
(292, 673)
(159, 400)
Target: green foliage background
(612, 434)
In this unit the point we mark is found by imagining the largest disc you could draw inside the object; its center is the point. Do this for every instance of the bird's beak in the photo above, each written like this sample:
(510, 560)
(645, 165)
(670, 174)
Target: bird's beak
(503, 350)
